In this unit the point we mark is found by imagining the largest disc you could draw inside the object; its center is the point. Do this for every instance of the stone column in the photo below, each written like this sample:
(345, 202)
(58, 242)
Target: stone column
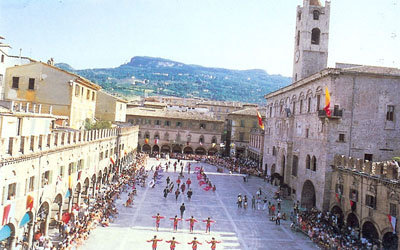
(12, 242)
(30, 234)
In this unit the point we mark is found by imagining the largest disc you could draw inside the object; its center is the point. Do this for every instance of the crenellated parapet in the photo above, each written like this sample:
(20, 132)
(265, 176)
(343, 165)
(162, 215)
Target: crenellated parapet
(20, 147)
(385, 169)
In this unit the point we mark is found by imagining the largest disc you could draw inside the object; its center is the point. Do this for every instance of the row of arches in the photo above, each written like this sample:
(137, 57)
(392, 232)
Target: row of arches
(178, 137)
(147, 148)
(368, 228)
(53, 209)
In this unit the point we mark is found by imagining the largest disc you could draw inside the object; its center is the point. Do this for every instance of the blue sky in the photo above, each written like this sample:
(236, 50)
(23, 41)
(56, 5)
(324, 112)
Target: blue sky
(236, 34)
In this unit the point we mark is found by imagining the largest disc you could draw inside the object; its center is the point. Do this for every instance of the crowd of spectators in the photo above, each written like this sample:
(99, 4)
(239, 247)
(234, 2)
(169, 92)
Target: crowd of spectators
(323, 229)
(75, 227)
(241, 165)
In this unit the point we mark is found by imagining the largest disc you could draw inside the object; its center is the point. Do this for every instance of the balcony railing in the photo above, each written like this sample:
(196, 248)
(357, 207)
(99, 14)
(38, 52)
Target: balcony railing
(335, 114)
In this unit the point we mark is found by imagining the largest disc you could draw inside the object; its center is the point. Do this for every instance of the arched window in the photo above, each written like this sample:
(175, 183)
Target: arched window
(156, 136)
(201, 140)
(314, 163)
(214, 139)
(308, 161)
(294, 165)
(316, 14)
(299, 15)
(147, 135)
(315, 34)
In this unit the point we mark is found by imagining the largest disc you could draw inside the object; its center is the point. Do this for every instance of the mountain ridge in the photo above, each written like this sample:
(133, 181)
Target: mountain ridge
(145, 76)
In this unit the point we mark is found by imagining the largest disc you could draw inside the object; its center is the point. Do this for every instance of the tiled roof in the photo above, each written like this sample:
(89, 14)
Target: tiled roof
(373, 70)
(249, 112)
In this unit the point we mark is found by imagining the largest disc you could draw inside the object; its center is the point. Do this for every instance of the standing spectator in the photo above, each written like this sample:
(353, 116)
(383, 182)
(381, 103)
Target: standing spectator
(182, 208)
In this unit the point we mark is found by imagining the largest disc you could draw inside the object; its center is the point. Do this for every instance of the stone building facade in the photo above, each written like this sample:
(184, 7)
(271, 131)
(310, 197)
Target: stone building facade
(166, 131)
(54, 170)
(239, 125)
(256, 146)
(365, 196)
(69, 94)
(301, 139)
(110, 108)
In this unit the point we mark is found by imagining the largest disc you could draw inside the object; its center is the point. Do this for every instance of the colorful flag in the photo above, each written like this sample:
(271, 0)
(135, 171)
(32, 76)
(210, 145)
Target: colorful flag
(6, 213)
(260, 123)
(68, 194)
(69, 181)
(146, 140)
(112, 160)
(392, 221)
(29, 202)
(156, 141)
(351, 203)
(337, 197)
(213, 145)
(327, 102)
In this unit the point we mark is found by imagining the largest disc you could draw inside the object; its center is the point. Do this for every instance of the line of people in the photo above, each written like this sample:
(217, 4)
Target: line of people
(173, 243)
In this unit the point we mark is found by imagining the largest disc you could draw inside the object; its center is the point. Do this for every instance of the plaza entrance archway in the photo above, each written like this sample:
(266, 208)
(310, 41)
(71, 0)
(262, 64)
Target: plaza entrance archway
(390, 241)
(352, 221)
(308, 199)
(200, 151)
(369, 231)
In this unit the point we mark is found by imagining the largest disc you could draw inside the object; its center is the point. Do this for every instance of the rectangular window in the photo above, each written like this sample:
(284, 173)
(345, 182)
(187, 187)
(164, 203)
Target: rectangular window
(93, 96)
(202, 126)
(393, 209)
(88, 94)
(15, 82)
(62, 171)
(242, 123)
(12, 191)
(101, 156)
(339, 189)
(353, 195)
(31, 85)
(167, 123)
(270, 111)
(241, 136)
(341, 137)
(255, 124)
(158, 122)
(318, 102)
(178, 124)
(46, 178)
(309, 105)
(370, 201)
(307, 132)
(31, 183)
(76, 90)
(273, 151)
(368, 157)
(390, 113)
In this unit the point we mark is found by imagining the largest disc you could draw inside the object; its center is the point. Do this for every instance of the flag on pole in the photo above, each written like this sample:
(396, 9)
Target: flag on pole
(156, 141)
(146, 140)
(69, 181)
(260, 123)
(112, 160)
(337, 197)
(327, 102)
(213, 145)
(392, 221)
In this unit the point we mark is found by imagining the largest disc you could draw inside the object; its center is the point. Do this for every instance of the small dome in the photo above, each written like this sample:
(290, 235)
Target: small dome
(315, 2)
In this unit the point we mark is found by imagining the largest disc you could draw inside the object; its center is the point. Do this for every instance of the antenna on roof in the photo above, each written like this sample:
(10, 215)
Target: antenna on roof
(20, 56)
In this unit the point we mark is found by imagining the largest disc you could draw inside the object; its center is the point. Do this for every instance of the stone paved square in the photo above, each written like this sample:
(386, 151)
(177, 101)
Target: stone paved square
(236, 228)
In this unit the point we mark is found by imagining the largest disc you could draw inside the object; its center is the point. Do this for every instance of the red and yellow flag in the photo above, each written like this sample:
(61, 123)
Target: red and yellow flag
(327, 102)
(146, 140)
(112, 160)
(29, 202)
(260, 123)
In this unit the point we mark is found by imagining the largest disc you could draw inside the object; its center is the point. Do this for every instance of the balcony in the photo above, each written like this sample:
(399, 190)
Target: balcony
(335, 114)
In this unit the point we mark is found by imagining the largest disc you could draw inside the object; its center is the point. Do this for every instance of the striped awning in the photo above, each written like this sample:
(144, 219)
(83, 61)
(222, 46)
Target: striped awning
(5, 232)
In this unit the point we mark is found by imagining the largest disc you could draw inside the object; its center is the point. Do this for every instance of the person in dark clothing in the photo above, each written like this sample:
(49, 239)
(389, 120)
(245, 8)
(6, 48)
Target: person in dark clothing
(182, 208)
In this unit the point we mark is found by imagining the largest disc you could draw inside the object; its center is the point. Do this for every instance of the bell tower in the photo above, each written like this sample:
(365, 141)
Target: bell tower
(311, 39)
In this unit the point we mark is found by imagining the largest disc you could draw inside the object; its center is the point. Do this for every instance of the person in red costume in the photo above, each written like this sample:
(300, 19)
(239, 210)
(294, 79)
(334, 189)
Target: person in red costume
(213, 243)
(176, 220)
(173, 243)
(154, 241)
(194, 243)
(208, 224)
(188, 182)
(191, 223)
(158, 217)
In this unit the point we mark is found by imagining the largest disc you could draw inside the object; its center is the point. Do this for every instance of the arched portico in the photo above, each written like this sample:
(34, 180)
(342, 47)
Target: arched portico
(308, 197)
(146, 149)
(165, 149)
(212, 151)
(188, 150)
(200, 151)
(177, 149)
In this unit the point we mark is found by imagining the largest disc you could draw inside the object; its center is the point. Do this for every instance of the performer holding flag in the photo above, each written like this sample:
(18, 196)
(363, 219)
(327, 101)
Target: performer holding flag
(213, 243)
(173, 243)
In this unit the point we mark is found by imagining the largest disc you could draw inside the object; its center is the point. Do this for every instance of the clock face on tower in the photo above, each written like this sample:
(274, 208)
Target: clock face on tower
(297, 56)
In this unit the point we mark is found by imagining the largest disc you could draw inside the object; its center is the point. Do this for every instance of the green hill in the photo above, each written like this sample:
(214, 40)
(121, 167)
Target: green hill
(158, 76)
